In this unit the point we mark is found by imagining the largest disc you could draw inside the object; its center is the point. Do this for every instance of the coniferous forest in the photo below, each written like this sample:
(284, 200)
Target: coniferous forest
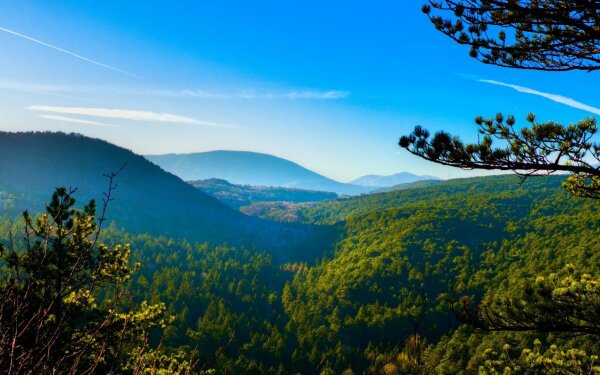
(110, 264)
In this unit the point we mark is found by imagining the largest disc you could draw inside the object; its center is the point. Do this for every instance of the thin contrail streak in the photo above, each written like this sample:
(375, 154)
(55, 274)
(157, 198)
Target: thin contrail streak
(554, 97)
(67, 52)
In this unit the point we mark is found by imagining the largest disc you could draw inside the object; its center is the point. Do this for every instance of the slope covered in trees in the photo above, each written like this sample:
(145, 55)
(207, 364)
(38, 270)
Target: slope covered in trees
(409, 264)
(147, 199)
(404, 271)
(398, 278)
(237, 196)
(340, 209)
(483, 275)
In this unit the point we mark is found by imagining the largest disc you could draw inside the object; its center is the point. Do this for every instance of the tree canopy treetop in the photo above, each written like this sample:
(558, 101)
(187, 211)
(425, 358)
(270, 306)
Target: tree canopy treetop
(542, 148)
(549, 35)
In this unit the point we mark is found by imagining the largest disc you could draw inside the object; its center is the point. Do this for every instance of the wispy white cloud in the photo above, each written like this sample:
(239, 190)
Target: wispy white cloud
(554, 97)
(178, 93)
(75, 120)
(124, 114)
(249, 94)
(66, 52)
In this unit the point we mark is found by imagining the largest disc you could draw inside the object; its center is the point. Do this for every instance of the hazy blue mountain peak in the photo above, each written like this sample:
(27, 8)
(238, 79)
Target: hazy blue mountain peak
(250, 168)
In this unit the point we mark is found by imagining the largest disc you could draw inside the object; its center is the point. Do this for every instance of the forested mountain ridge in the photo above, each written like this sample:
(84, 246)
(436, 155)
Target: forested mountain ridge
(384, 296)
(237, 196)
(342, 208)
(397, 269)
(337, 210)
(489, 275)
(393, 273)
(147, 199)
(391, 180)
(250, 168)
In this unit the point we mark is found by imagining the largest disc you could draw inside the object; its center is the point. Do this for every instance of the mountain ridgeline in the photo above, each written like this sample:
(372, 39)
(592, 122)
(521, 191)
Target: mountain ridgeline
(365, 284)
(250, 168)
(147, 199)
(391, 180)
(402, 257)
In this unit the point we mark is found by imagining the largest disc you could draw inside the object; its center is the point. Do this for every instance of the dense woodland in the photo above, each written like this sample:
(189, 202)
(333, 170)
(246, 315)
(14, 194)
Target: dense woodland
(237, 196)
(391, 297)
(489, 275)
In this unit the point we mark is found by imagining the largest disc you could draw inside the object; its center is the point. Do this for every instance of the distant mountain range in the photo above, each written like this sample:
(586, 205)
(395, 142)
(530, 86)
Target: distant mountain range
(250, 168)
(147, 199)
(391, 180)
(237, 196)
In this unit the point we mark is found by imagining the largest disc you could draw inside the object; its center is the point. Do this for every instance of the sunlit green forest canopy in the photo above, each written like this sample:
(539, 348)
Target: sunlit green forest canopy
(110, 262)
(388, 296)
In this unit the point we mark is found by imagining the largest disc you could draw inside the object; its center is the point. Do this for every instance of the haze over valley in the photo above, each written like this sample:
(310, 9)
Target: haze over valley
(310, 187)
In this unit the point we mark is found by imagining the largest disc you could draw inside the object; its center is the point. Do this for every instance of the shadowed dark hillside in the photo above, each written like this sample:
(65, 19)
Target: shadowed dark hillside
(147, 198)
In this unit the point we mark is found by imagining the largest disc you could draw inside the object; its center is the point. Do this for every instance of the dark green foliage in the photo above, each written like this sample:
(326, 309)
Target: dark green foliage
(393, 295)
(226, 301)
(51, 320)
(340, 209)
(387, 298)
(410, 268)
(550, 35)
(31, 164)
(337, 210)
(530, 294)
(561, 302)
(237, 196)
(530, 291)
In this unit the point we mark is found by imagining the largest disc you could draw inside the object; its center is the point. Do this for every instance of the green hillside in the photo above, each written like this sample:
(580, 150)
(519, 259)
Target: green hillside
(393, 275)
(147, 199)
(333, 211)
(237, 196)
(409, 267)
(396, 268)
(391, 180)
(340, 209)
(385, 295)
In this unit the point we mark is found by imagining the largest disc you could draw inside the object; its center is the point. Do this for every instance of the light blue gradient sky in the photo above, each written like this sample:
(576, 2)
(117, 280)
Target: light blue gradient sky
(330, 85)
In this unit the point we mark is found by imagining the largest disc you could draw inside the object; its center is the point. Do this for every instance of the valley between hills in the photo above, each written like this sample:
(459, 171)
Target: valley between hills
(269, 278)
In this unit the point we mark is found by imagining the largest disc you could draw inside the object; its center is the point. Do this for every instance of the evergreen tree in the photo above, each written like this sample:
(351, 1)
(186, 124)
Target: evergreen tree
(551, 35)
(63, 304)
(542, 148)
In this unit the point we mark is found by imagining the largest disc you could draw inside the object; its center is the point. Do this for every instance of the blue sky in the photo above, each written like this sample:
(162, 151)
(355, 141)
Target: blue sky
(330, 85)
